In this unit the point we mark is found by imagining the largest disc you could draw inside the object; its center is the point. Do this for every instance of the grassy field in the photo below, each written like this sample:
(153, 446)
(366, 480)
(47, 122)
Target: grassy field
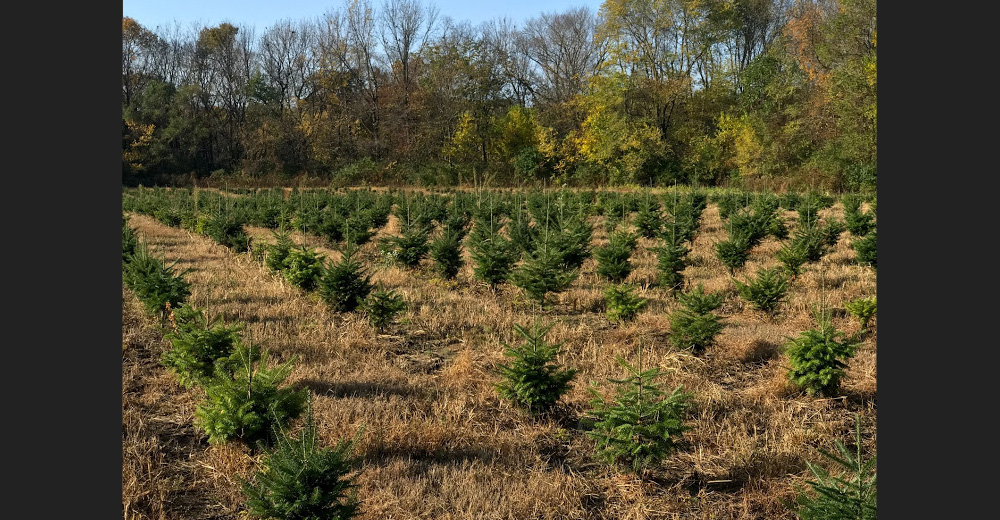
(438, 442)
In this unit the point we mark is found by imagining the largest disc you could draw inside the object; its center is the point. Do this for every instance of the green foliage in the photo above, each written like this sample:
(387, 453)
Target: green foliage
(766, 291)
(862, 308)
(817, 357)
(811, 241)
(671, 259)
(345, 285)
(244, 402)
(227, 229)
(197, 345)
(622, 303)
(642, 424)
(382, 306)
(856, 221)
(543, 272)
(532, 380)
(447, 253)
(649, 221)
(866, 249)
(694, 326)
(155, 284)
(304, 267)
(411, 246)
(301, 480)
(733, 252)
(277, 252)
(129, 239)
(613, 259)
(851, 495)
(493, 256)
(792, 259)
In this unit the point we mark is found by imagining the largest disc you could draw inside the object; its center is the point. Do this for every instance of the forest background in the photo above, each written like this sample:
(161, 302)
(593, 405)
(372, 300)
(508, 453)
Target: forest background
(775, 94)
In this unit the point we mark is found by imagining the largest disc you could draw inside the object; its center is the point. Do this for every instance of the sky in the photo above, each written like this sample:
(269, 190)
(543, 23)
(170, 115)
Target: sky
(261, 14)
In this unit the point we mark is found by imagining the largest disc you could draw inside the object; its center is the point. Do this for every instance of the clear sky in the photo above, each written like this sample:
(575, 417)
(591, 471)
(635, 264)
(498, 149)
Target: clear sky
(261, 14)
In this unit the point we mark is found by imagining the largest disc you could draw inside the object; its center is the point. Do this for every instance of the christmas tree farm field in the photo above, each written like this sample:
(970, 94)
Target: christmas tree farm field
(433, 437)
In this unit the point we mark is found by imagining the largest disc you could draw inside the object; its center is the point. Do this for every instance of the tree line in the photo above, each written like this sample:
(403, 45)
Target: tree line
(641, 92)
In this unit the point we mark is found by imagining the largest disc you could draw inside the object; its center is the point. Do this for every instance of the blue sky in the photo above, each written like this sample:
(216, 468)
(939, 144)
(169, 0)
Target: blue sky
(261, 14)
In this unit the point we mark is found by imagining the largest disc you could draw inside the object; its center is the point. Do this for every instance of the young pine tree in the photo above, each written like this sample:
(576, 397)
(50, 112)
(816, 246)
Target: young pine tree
(154, 283)
(866, 249)
(851, 495)
(302, 480)
(243, 400)
(197, 345)
(694, 326)
(303, 267)
(766, 291)
(623, 305)
(818, 357)
(533, 380)
(543, 272)
(345, 284)
(863, 309)
(446, 251)
(277, 252)
(613, 259)
(671, 259)
(642, 424)
(493, 254)
(382, 306)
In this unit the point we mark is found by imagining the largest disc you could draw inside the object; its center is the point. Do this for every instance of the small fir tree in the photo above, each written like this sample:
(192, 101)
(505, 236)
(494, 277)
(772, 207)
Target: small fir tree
(154, 283)
(818, 357)
(766, 291)
(277, 252)
(542, 273)
(694, 326)
(623, 305)
(492, 253)
(792, 259)
(863, 309)
(227, 229)
(613, 259)
(345, 284)
(129, 239)
(303, 267)
(301, 480)
(671, 259)
(866, 249)
(382, 306)
(243, 401)
(851, 495)
(532, 380)
(197, 345)
(649, 220)
(446, 251)
(733, 252)
(641, 425)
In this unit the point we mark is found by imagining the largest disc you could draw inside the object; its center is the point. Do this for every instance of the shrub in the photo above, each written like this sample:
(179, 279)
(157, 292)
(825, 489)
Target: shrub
(304, 267)
(276, 253)
(243, 400)
(671, 259)
(817, 357)
(694, 326)
(533, 380)
(734, 252)
(155, 284)
(622, 303)
(300, 480)
(197, 344)
(542, 273)
(863, 309)
(766, 291)
(447, 253)
(649, 221)
(792, 259)
(382, 306)
(227, 230)
(345, 284)
(129, 239)
(857, 222)
(866, 249)
(410, 247)
(613, 259)
(641, 425)
(852, 495)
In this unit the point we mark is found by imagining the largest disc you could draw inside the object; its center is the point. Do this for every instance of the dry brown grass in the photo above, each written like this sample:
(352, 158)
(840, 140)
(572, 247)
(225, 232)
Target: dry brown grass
(439, 443)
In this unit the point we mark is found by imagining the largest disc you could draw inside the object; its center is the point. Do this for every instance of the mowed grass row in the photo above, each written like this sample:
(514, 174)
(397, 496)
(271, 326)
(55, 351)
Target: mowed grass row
(438, 442)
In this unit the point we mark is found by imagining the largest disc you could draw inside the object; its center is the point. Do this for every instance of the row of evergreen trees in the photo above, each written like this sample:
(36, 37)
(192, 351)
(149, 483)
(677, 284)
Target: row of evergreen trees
(244, 399)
